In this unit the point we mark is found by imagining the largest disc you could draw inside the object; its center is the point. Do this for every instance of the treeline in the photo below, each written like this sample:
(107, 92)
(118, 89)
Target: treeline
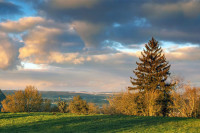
(30, 100)
(185, 102)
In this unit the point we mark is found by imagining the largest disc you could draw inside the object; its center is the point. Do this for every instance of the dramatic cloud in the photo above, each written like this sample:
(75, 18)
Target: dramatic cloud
(132, 21)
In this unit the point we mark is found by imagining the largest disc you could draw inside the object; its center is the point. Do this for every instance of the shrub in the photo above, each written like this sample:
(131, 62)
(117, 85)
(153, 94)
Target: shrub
(78, 106)
(108, 109)
(62, 106)
(122, 103)
(93, 109)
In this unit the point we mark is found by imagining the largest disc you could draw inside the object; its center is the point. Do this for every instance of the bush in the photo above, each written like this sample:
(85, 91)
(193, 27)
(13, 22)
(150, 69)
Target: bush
(122, 103)
(108, 109)
(62, 106)
(93, 109)
(78, 106)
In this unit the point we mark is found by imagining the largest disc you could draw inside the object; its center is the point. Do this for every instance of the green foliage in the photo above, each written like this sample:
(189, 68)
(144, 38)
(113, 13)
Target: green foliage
(78, 105)
(64, 122)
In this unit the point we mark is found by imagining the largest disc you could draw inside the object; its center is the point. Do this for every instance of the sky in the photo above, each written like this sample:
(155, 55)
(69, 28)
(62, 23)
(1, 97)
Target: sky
(93, 45)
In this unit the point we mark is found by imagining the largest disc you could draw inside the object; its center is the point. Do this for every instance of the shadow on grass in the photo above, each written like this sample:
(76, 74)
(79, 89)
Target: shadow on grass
(17, 115)
(96, 123)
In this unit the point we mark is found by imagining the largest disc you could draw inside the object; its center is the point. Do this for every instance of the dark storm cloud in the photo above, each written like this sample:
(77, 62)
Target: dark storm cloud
(8, 8)
(105, 12)
(177, 21)
(170, 20)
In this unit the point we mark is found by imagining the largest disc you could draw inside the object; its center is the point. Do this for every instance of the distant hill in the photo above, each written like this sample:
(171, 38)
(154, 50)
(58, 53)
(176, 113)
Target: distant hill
(98, 98)
(2, 97)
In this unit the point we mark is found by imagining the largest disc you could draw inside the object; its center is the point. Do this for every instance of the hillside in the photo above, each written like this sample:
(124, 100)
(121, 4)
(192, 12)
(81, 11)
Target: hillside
(50, 123)
(97, 98)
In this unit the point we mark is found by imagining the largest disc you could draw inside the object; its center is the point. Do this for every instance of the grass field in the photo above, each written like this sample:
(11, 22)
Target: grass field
(48, 122)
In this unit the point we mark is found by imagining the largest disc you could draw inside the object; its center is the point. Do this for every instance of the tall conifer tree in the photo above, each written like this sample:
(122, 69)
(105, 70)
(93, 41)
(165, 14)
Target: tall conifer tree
(152, 73)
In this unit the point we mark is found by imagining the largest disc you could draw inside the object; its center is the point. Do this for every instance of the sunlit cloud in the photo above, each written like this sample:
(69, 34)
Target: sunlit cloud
(21, 25)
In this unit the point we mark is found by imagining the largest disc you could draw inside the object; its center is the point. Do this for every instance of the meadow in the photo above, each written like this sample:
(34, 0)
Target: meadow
(51, 123)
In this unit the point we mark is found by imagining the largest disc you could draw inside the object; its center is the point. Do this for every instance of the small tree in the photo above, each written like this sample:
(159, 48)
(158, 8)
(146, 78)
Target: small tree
(62, 106)
(23, 101)
(33, 99)
(14, 103)
(78, 106)
(152, 74)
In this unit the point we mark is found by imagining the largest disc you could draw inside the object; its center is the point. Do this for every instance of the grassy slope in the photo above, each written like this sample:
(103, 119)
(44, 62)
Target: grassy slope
(47, 122)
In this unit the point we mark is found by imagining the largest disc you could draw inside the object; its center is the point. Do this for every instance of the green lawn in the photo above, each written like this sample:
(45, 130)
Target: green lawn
(47, 122)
